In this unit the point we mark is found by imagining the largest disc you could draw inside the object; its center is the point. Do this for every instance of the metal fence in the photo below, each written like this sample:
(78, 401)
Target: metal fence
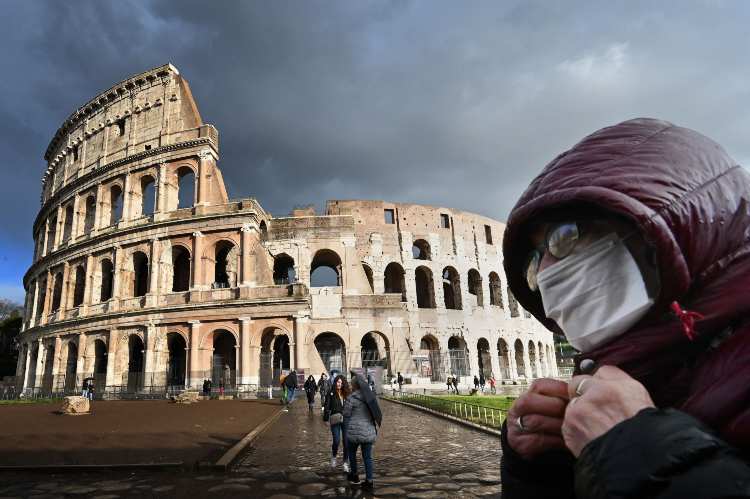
(491, 417)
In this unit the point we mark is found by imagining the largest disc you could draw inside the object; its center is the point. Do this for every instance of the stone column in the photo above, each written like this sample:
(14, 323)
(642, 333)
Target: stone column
(99, 207)
(64, 292)
(127, 198)
(56, 363)
(27, 362)
(88, 290)
(58, 229)
(473, 354)
(512, 367)
(81, 359)
(116, 262)
(111, 358)
(203, 169)
(35, 304)
(76, 217)
(153, 284)
(161, 194)
(197, 261)
(150, 344)
(45, 239)
(39, 371)
(245, 355)
(495, 360)
(527, 362)
(301, 326)
(195, 362)
(247, 277)
(47, 297)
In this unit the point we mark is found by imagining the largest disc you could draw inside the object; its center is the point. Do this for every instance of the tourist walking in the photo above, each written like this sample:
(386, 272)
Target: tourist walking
(310, 388)
(455, 384)
(85, 388)
(323, 387)
(361, 412)
(333, 414)
(221, 387)
(492, 381)
(476, 383)
(282, 384)
(449, 382)
(291, 385)
(482, 381)
(400, 381)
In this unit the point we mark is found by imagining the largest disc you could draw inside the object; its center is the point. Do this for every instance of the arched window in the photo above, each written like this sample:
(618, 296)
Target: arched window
(224, 360)
(148, 195)
(140, 274)
(80, 286)
(496, 290)
(180, 269)
(115, 204)
(368, 275)
(57, 291)
(89, 215)
(504, 358)
(484, 360)
(425, 287)
(332, 351)
(185, 187)
(394, 280)
(520, 366)
(452, 289)
(225, 266)
(325, 269)
(475, 287)
(458, 353)
(263, 231)
(107, 271)
(42, 298)
(421, 250)
(283, 269)
(68, 227)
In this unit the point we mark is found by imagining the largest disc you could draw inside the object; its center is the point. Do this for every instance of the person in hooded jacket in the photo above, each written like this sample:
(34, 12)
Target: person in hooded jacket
(323, 386)
(635, 244)
(310, 388)
(360, 432)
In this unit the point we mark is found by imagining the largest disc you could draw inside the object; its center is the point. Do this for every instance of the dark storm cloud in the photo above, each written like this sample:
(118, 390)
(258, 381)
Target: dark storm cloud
(449, 103)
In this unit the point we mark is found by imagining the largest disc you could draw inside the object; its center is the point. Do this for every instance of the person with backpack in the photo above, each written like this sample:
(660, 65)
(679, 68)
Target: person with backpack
(455, 384)
(290, 382)
(400, 381)
(449, 382)
(310, 388)
(333, 414)
(482, 381)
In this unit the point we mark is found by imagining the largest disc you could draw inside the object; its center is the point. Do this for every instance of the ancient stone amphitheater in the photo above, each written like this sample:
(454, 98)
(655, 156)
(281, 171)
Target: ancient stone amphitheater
(149, 279)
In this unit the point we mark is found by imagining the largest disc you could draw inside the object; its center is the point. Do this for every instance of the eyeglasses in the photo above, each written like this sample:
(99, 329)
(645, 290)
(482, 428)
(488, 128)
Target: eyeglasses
(559, 242)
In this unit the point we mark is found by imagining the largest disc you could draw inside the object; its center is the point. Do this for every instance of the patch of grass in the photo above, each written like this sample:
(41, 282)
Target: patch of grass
(29, 401)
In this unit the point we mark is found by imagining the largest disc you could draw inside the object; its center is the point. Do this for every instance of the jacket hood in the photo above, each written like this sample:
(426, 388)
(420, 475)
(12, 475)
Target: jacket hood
(680, 190)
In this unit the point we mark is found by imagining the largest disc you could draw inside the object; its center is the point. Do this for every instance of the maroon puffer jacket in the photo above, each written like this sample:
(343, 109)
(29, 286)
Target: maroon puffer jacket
(691, 201)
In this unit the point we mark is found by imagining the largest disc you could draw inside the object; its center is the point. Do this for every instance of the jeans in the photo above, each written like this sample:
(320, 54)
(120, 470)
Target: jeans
(339, 433)
(366, 457)
(289, 395)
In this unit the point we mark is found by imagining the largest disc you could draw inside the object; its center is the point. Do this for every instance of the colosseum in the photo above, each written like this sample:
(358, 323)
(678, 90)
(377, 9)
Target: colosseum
(147, 278)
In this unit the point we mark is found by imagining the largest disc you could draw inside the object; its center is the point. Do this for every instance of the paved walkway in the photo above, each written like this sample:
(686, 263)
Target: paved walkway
(416, 456)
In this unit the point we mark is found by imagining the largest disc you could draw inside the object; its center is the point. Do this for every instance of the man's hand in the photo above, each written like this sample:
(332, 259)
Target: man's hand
(540, 411)
(599, 402)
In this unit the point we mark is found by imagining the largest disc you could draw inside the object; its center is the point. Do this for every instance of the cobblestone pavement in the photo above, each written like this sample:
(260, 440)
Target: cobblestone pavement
(417, 456)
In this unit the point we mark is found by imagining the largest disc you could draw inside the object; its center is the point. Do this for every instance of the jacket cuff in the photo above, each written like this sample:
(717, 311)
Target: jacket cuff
(641, 455)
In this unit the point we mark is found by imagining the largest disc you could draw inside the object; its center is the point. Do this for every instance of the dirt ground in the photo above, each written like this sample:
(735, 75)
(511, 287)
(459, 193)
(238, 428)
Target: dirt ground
(127, 432)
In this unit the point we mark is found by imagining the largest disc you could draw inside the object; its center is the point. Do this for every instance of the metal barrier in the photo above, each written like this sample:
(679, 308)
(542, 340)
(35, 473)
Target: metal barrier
(491, 417)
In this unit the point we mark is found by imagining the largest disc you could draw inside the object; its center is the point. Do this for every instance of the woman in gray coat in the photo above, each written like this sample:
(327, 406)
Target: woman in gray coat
(360, 431)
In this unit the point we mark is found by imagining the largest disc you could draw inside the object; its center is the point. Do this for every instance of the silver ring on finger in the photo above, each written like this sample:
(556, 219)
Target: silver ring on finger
(519, 423)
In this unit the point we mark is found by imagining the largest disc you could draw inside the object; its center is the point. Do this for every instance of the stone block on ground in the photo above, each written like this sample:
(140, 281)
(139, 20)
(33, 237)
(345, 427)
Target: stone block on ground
(186, 398)
(75, 405)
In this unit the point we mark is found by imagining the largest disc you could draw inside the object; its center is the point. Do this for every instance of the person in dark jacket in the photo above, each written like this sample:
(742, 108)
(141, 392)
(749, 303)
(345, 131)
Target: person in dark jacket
(655, 219)
(290, 382)
(400, 381)
(323, 387)
(482, 382)
(333, 414)
(476, 383)
(361, 431)
(455, 384)
(310, 388)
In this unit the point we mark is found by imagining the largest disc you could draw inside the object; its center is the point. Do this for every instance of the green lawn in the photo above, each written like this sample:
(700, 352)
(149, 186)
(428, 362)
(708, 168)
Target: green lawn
(496, 401)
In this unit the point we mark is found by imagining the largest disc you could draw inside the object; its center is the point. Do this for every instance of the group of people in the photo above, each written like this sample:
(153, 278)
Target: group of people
(88, 389)
(481, 382)
(351, 410)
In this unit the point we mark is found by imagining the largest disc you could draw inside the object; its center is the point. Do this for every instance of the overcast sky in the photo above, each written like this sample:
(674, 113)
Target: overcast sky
(450, 103)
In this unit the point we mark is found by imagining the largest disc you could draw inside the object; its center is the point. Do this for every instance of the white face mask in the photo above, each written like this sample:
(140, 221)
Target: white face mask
(595, 295)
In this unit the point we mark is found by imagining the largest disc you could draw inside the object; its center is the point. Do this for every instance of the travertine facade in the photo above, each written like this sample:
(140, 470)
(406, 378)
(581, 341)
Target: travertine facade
(146, 275)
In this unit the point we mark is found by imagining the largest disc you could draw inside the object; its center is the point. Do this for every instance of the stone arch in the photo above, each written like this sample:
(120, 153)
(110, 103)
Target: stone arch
(458, 354)
(375, 350)
(420, 250)
(452, 289)
(542, 359)
(70, 366)
(512, 304)
(430, 361)
(275, 355)
(224, 358)
(181, 268)
(225, 258)
(263, 229)
(484, 357)
(89, 214)
(394, 279)
(283, 269)
(115, 203)
(57, 292)
(79, 285)
(332, 350)
(48, 367)
(138, 285)
(369, 276)
(325, 269)
(105, 279)
(68, 225)
(176, 359)
(145, 199)
(504, 358)
(520, 365)
(496, 290)
(475, 287)
(130, 362)
(425, 287)
(186, 186)
(533, 360)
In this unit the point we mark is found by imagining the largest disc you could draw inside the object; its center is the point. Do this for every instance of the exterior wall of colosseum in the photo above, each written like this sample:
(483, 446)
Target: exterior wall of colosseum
(147, 277)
